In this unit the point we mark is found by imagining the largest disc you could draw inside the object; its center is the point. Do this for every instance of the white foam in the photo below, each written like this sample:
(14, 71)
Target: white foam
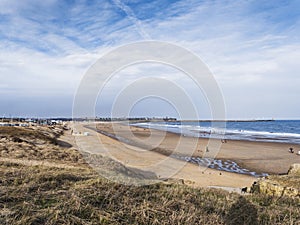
(231, 134)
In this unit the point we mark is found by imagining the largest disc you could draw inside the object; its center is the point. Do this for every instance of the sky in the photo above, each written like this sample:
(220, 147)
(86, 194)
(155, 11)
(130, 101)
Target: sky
(251, 47)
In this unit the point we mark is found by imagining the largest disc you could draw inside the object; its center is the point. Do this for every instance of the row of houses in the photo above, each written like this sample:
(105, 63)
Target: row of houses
(30, 122)
(14, 125)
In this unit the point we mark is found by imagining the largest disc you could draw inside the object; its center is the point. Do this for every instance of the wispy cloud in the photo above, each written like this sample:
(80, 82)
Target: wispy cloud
(130, 14)
(251, 46)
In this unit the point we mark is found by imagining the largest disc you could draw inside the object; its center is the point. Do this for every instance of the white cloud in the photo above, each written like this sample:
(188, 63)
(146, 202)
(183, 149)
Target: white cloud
(249, 50)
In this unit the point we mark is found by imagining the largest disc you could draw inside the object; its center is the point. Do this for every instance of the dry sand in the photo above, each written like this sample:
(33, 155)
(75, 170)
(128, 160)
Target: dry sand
(267, 157)
(152, 161)
(272, 158)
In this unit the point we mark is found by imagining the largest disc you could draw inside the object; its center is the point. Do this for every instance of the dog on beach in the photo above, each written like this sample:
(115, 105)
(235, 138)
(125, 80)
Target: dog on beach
(244, 190)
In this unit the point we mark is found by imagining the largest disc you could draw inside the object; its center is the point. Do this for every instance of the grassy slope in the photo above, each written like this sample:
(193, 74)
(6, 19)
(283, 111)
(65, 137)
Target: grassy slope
(291, 180)
(54, 194)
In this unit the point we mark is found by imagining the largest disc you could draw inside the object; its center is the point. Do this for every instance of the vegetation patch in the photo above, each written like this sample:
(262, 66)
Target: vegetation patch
(40, 194)
(59, 191)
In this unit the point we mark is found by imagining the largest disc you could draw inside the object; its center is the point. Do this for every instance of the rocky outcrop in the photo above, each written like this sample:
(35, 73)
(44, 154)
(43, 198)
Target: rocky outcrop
(283, 185)
(273, 188)
(294, 169)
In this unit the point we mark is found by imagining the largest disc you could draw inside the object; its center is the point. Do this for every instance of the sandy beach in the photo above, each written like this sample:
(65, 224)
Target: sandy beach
(149, 150)
(267, 157)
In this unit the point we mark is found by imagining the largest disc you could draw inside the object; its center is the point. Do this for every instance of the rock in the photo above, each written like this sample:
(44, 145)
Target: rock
(271, 187)
(3, 140)
(294, 169)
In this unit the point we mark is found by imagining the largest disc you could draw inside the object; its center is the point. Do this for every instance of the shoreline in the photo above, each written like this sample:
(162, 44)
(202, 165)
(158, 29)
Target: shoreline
(165, 168)
(260, 140)
(232, 134)
(259, 157)
(175, 120)
(230, 166)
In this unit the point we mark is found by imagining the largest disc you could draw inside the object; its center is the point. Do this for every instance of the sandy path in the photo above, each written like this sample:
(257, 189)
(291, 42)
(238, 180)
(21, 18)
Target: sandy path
(161, 165)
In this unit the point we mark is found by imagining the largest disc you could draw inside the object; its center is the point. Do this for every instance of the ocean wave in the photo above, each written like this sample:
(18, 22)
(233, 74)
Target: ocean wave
(221, 133)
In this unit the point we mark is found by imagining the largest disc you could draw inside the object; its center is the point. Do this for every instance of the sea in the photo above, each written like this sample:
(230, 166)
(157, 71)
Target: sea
(282, 131)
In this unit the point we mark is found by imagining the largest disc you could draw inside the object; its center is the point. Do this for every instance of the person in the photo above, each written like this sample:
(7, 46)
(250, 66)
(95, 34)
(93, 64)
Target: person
(206, 149)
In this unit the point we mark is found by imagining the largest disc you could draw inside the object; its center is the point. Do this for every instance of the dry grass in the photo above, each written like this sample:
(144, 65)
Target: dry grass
(57, 195)
(291, 180)
(26, 134)
(45, 195)
(38, 144)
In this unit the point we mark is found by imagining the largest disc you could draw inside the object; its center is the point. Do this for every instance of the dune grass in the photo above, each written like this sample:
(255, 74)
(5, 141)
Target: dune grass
(291, 180)
(49, 195)
(58, 194)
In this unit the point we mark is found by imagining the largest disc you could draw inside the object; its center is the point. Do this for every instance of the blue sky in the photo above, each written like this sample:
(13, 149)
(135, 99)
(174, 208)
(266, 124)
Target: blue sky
(252, 48)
